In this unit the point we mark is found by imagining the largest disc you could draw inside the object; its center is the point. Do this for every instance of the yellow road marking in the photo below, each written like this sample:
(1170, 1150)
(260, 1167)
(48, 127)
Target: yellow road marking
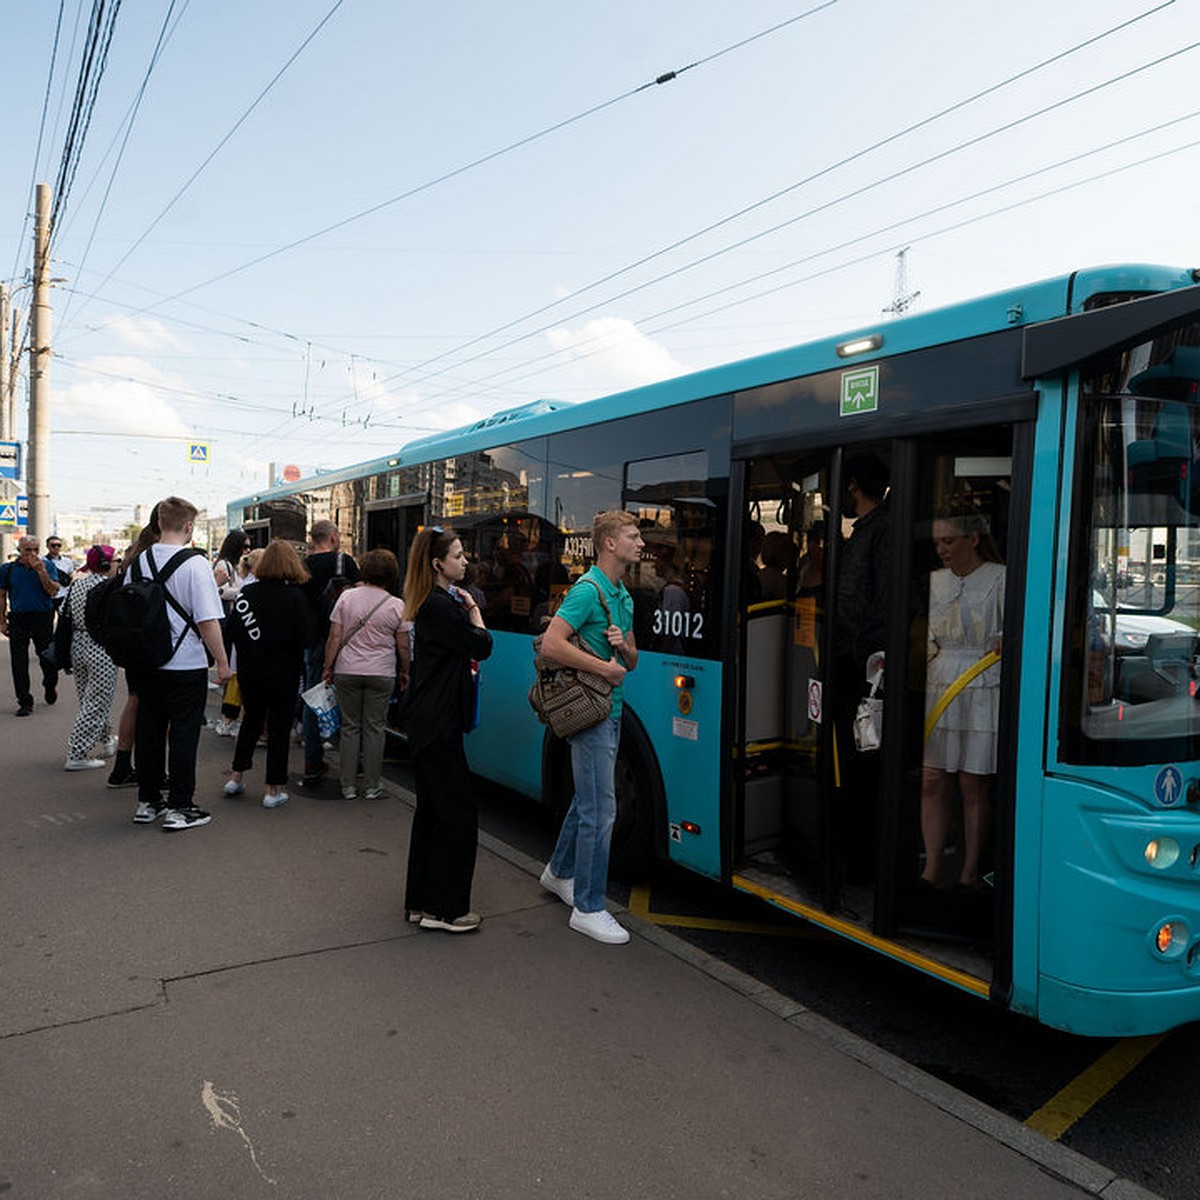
(639, 905)
(1060, 1112)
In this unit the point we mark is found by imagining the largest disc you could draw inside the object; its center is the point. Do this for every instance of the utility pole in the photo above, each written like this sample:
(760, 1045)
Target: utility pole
(38, 471)
(902, 298)
(7, 432)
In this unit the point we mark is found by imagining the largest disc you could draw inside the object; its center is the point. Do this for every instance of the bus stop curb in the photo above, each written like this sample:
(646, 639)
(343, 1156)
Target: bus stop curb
(1060, 1160)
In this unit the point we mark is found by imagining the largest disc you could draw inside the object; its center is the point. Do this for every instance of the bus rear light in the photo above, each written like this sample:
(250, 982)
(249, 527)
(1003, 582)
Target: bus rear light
(1171, 937)
(690, 827)
(1162, 853)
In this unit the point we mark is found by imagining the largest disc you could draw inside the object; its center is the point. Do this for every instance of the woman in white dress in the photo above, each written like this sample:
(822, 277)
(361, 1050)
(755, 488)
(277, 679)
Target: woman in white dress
(966, 615)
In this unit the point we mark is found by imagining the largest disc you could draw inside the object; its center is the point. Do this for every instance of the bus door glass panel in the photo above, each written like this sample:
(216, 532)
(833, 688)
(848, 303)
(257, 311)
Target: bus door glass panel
(494, 500)
(782, 677)
(1133, 657)
(950, 686)
(672, 586)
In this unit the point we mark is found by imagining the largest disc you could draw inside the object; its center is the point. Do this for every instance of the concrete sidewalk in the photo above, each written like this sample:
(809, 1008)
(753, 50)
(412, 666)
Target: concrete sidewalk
(241, 1010)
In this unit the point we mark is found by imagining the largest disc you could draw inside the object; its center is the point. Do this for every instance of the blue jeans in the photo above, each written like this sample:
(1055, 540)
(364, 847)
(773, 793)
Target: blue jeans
(582, 850)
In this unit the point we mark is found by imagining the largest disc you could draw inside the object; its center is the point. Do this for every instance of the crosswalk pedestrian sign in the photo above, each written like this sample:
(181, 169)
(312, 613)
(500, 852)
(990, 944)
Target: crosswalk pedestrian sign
(197, 452)
(14, 514)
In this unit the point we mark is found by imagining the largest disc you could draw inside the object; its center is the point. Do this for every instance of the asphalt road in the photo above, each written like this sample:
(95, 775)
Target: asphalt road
(1130, 1105)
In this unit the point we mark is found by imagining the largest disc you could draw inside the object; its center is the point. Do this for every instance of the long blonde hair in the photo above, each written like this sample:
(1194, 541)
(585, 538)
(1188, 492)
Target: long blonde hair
(432, 542)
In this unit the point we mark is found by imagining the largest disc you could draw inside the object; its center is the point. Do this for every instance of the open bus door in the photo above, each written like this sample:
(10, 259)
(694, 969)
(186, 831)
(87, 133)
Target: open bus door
(899, 836)
(392, 523)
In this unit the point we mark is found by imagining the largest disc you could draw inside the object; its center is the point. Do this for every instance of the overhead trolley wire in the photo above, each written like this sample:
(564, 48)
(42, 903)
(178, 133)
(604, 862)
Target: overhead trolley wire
(741, 212)
(554, 354)
(455, 172)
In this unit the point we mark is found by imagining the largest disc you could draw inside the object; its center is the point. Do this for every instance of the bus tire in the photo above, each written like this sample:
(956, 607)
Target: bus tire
(641, 800)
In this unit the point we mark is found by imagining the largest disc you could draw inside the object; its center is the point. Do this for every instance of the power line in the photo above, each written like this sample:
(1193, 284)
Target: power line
(746, 209)
(840, 199)
(91, 70)
(220, 146)
(37, 154)
(129, 123)
(817, 254)
(666, 77)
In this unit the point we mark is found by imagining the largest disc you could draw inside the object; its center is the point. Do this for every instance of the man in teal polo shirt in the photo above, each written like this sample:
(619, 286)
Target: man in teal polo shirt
(27, 590)
(578, 869)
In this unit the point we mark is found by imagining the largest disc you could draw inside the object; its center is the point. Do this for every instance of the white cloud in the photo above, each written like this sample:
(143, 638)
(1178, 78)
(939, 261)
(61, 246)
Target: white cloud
(616, 354)
(144, 333)
(120, 398)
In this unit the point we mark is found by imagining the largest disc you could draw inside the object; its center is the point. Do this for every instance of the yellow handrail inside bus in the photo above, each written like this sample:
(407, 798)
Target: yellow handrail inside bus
(950, 694)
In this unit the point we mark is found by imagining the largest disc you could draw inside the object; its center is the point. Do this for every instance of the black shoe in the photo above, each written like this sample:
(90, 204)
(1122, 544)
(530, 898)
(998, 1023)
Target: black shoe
(51, 694)
(25, 710)
(185, 818)
(128, 779)
(314, 772)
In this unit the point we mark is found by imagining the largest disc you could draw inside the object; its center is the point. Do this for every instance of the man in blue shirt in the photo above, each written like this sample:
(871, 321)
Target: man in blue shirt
(600, 609)
(27, 590)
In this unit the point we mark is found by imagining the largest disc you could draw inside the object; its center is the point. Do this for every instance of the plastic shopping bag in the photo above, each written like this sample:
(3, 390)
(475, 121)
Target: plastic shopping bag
(322, 699)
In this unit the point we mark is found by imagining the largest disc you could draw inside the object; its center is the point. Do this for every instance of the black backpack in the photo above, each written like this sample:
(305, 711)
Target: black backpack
(337, 584)
(128, 616)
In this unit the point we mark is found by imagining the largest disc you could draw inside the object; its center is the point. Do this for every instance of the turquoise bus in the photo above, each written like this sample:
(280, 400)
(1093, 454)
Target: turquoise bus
(1053, 431)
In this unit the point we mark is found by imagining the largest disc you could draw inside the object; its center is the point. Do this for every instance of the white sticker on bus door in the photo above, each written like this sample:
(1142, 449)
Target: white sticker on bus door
(683, 728)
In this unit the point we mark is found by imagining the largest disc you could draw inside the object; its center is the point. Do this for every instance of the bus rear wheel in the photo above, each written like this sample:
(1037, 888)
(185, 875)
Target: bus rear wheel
(638, 799)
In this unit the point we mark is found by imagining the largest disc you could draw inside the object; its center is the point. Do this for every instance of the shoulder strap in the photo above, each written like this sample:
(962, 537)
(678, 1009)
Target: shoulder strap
(161, 575)
(607, 614)
(361, 623)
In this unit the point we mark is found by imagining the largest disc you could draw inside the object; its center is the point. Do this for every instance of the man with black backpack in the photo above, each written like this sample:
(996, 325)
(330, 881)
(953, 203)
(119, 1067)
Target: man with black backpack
(331, 571)
(169, 585)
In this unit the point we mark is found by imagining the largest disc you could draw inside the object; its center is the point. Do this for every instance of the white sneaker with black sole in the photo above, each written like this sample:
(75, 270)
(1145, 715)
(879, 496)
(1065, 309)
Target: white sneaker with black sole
(146, 814)
(185, 818)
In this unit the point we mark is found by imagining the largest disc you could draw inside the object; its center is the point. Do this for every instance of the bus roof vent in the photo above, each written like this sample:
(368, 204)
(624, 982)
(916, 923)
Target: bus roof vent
(535, 408)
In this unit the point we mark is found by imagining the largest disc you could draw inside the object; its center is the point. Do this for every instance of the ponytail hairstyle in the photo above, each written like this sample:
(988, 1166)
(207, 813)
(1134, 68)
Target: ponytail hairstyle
(432, 542)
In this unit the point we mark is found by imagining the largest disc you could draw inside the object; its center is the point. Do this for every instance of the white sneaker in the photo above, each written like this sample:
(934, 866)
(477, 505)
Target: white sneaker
(108, 748)
(274, 799)
(233, 787)
(83, 764)
(564, 889)
(602, 926)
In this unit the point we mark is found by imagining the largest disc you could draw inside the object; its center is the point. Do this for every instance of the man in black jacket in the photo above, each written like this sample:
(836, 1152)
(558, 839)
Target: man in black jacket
(860, 630)
(330, 570)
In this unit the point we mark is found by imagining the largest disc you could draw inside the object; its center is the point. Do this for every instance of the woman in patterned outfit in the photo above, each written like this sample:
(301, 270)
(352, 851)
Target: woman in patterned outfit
(95, 672)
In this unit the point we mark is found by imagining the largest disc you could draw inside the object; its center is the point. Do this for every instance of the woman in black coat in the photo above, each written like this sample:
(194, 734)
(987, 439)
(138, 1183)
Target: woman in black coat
(448, 635)
(270, 625)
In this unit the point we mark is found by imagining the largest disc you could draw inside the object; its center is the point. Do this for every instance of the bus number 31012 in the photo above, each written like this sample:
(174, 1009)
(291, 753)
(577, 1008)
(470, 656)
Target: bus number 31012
(678, 624)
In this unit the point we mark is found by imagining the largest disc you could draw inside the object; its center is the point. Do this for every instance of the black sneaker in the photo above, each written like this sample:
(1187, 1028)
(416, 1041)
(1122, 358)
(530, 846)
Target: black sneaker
(51, 694)
(314, 773)
(185, 818)
(26, 710)
(128, 779)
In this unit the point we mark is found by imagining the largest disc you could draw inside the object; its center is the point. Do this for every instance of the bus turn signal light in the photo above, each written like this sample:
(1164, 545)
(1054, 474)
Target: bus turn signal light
(689, 827)
(685, 681)
(1170, 937)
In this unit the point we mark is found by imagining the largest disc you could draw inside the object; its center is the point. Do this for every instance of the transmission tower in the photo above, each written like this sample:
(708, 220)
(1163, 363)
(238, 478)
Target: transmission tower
(902, 298)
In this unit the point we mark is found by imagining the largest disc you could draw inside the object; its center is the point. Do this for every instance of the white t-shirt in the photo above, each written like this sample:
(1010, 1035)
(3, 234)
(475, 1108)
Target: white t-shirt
(193, 585)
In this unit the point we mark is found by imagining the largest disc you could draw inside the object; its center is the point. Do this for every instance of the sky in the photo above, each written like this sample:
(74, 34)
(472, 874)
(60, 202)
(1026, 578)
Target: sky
(304, 232)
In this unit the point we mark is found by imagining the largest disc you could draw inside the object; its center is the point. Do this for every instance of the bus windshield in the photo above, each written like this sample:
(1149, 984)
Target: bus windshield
(1135, 578)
